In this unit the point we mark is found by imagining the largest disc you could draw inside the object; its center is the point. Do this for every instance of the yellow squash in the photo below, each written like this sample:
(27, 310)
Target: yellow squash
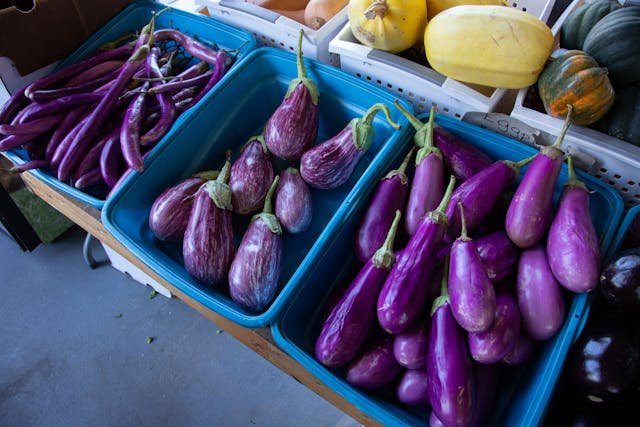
(389, 25)
(488, 45)
(434, 7)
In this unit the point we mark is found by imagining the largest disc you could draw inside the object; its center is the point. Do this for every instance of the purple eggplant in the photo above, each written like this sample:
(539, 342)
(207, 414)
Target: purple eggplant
(292, 128)
(130, 131)
(330, 164)
(427, 186)
(345, 329)
(207, 247)
(375, 367)
(255, 270)
(193, 47)
(495, 343)
(410, 348)
(521, 351)
(487, 385)
(434, 421)
(251, 177)
(293, 202)
(412, 389)
(170, 211)
(539, 295)
(473, 299)
(405, 291)
(528, 214)
(223, 61)
(498, 255)
(27, 166)
(572, 244)
(388, 197)
(94, 72)
(68, 123)
(450, 378)
(89, 179)
(109, 161)
(462, 158)
(14, 104)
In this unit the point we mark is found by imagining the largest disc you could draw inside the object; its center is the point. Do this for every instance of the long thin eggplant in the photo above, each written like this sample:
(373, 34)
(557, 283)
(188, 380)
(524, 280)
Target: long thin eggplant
(175, 86)
(222, 62)
(572, 244)
(27, 166)
(14, 104)
(130, 132)
(375, 367)
(410, 348)
(89, 179)
(251, 177)
(92, 160)
(35, 127)
(462, 158)
(14, 141)
(293, 202)
(65, 143)
(498, 255)
(473, 299)
(193, 47)
(255, 270)
(331, 163)
(412, 389)
(404, 294)
(109, 161)
(95, 86)
(94, 72)
(292, 128)
(427, 186)
(521, 351)
(64, 103)
(528, 214)
(168, 110)
(345, 329)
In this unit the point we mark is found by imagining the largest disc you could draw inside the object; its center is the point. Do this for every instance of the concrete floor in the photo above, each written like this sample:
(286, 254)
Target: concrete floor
(74, 351)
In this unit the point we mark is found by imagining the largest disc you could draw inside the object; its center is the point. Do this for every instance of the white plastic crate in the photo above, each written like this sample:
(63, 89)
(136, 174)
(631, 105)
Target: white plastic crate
(617, 161)
(275, 30)
(418, 84)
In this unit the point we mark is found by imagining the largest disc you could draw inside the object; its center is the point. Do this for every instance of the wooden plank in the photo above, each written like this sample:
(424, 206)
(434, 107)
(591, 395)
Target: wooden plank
(259, 340)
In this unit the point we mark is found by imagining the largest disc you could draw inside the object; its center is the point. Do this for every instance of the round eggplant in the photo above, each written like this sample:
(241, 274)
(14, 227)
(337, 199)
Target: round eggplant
(293, 202)
(620, 279)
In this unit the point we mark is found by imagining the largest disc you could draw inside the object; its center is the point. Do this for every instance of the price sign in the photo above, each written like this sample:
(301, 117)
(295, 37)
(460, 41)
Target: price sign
(507, 126)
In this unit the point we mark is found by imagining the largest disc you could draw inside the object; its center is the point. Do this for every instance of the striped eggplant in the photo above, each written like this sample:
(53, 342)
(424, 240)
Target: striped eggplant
(498, 255)
(375, 367)
(251, 176)
(462, 158)
(412, 388)
(293, 202)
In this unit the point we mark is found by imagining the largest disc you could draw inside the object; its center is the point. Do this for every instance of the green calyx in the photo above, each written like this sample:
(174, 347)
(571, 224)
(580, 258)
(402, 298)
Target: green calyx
(401, 171)
(516, 166)
(438, 216)
(260, 139)
(219, 189)
(208, 175)
(363, 129)
(423, 137)
(140, 54)
(572, 180)
(555, 151)
(302, 76)
(444, 289)
(463, 221)
(384, 257)
(267, 215)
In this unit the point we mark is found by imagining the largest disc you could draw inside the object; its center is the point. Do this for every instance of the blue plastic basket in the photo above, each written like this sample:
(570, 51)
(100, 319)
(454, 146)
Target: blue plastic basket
(226, 120)
(624, 229)
(130, 20)
(523, 400)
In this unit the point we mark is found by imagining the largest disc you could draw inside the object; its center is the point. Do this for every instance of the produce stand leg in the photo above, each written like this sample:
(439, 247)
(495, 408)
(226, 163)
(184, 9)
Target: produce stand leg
(87, 252)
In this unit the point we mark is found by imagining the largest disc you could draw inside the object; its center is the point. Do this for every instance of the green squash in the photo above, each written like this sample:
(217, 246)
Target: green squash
(615, 43)
(582, 20)
(623, 120)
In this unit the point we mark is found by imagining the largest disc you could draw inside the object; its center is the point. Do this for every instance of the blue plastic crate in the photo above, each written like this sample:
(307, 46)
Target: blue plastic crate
(522, 401)
(624, 229)
(130, 20)
(238, 110)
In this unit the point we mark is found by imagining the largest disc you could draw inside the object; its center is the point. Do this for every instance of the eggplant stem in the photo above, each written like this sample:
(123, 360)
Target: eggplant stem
(268, 204)
(447, 195)
(403, 166)
(302, 75)
(223, 177)
(424, 138)
(302, 72)
(444, 288)
(371, 113)
(417, 124)
(573, 178)
(565, 128)
(524, 162)
(463, 221)
(384, 256)
(208, 175)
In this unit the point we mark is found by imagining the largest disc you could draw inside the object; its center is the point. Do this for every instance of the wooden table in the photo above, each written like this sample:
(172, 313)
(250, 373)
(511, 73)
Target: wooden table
(259, 340)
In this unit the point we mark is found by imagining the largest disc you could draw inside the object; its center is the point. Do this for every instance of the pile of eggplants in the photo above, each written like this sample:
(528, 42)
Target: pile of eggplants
(433, 312)
(92, 122)
(200, 211)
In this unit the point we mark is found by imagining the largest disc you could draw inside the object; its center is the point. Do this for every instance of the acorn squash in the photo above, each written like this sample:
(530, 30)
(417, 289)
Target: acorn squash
(623, 121)
(614, 42)
(576, 79)
(582, 20)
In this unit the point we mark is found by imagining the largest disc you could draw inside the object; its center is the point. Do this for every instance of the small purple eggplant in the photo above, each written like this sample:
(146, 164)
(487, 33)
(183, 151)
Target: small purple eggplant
(572, 244)
(410, 348)
(375, 367)
(434, 421)
(412, 389)
(539, 295)
(292, 128)
(255, 270)
(329, 164)
(348, 324)
(496, 342)
(427, 186)
(251, 176)
(293, 202)
(450, 377)
(462, 158)
(473, 299)
(521, 351)
(170, 211)
(404, 295)
(528, 214)
(207, 248)
(498, 254)
(388, 197)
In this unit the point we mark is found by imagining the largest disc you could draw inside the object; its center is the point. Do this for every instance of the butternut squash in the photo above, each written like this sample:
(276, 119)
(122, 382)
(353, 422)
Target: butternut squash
(318, 12)
(434, 7)
(389, 25)
(276, 5)
(488, 45)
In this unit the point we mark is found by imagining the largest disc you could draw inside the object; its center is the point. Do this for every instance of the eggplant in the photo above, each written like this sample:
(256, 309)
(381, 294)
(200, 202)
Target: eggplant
(329, 164)
(170, 211)
(572, 244)
(251, 176)
(410, 348)
(450, 378)
(620, 279)
(434, 421)
(473, 299)
(255, 270)
(345, 329)
(207, 247)
(292, 128)
(293, 202)
(462, 158)
(520, 352)
(376, 367)
(498, 255)
(539, 295)
(529, 211)
(412, 388)
(405, 291)
(427, 186)
(388, 197)
(487, 385)
(495, 343)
